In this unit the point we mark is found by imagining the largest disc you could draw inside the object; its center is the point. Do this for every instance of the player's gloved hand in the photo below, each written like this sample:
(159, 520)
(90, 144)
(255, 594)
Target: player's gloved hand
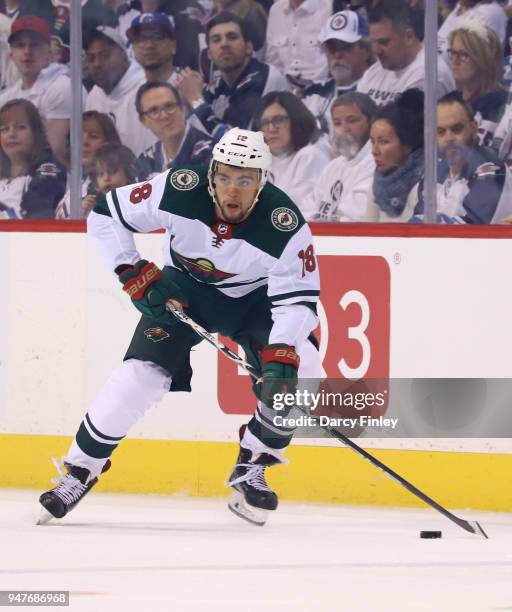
(149, 290)
(279, 372)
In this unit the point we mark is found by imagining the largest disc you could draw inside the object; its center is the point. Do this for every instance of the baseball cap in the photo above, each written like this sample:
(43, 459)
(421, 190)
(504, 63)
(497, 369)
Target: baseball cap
(107, 32)
(30, 23)
(347, 26)
(156, 21)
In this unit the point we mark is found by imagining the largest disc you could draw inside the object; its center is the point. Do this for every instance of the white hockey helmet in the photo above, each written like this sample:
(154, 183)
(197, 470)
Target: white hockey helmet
(244, 149)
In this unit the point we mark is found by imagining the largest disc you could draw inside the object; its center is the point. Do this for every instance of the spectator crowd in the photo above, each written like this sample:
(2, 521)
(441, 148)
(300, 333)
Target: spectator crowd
(336, 88)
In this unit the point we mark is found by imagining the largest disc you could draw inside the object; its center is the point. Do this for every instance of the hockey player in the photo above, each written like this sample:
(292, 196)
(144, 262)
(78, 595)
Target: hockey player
(239, 261)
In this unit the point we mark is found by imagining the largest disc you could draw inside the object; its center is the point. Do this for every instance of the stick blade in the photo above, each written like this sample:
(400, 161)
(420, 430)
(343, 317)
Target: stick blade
(477, 529)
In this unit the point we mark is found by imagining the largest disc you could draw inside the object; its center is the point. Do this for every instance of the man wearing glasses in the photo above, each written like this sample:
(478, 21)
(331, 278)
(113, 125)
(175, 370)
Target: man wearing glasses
(344, 40)
(154, 46)
(160, 110)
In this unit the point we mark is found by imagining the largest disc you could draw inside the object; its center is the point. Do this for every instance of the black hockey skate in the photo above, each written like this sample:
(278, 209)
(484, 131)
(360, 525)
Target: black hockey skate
(72, 487)
(252, 498)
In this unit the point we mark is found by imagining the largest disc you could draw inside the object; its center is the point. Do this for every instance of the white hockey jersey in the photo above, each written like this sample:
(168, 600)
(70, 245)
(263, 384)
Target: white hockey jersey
(272, 247)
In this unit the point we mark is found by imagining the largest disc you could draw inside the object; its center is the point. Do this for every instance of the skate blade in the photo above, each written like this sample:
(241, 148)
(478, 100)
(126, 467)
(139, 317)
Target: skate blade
(238, 506)
(44, 517)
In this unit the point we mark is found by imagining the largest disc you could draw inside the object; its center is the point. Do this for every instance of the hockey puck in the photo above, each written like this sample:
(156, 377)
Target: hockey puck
(430, 535)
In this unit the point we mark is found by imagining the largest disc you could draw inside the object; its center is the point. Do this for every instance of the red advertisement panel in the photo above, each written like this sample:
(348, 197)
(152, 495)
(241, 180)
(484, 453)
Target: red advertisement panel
(353, 332)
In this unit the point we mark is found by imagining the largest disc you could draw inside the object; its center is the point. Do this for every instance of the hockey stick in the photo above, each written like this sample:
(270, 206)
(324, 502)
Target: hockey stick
(181, 316)
(470, 526)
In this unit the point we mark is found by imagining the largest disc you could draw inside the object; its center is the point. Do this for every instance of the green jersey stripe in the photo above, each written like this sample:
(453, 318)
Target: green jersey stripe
(292, 294)
(241, 284)
(92, 447)
(273, 428)
(101, 207)
(310, 305)
(118, 209)
(102, 435)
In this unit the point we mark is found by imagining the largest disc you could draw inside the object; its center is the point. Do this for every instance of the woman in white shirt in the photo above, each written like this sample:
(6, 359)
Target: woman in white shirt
(299, 151)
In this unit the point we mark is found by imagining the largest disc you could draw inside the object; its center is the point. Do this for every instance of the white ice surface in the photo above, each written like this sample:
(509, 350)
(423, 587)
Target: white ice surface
(155, 553)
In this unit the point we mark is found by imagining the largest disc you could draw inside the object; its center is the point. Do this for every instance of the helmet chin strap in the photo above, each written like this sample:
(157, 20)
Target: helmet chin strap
(213, 194)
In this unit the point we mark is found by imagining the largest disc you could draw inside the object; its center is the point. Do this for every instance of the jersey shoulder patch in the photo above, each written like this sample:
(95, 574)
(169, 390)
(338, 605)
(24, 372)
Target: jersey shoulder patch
(284, 219)
(274, 220)
(184, 179)
(186, 194)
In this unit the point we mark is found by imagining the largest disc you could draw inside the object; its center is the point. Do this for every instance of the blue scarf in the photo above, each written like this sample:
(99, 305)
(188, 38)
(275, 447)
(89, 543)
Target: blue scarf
(391, 189)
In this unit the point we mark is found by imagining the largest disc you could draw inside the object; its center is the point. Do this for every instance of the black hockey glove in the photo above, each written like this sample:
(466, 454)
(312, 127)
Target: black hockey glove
(149, 291)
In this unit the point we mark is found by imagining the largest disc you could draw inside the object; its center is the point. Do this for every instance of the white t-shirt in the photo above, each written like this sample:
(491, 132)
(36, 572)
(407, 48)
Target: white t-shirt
(292, 38)
(341, 190)
(120, 104)
(491, 15)
(11, 193)
(50, 94)
(384, 85)
(296, 173)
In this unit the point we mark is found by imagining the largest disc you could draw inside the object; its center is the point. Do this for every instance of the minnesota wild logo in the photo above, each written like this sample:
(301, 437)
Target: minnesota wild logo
(202, 269)
(156, 334)
(184, 179)
(284, 219)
